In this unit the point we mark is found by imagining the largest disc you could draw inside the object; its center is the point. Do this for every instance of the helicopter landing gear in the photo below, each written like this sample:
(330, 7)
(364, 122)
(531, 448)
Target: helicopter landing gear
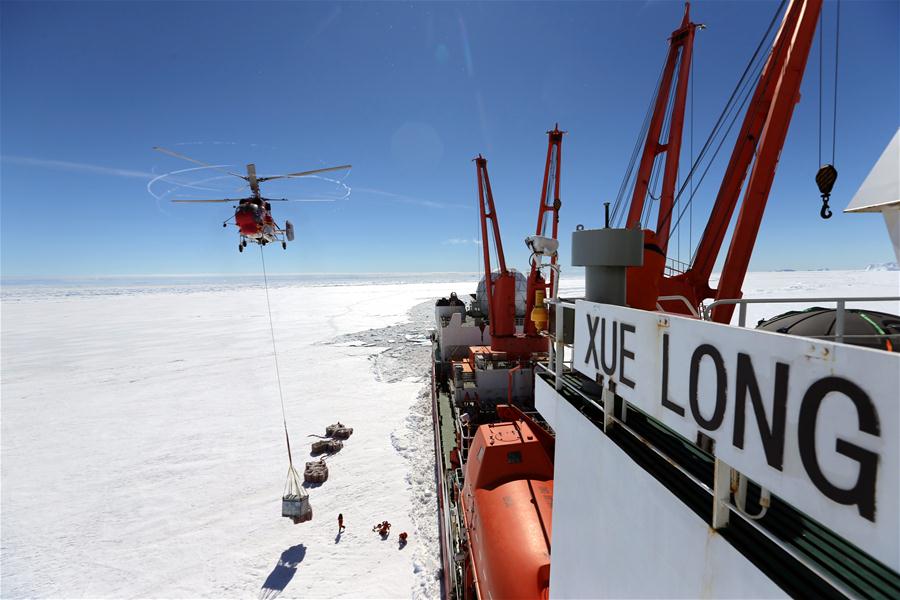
(244, 243)
(240, 247)
(284, 245)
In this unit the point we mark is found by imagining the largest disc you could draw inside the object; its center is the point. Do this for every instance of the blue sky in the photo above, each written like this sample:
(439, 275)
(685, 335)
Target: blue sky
(408, 93)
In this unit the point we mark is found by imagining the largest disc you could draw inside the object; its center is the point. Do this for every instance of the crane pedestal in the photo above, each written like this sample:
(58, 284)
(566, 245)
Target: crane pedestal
(605, 254)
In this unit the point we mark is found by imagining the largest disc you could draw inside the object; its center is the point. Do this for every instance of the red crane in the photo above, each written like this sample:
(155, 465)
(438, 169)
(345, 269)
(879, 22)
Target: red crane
(548, 212)
(500, 290)
(756, 152)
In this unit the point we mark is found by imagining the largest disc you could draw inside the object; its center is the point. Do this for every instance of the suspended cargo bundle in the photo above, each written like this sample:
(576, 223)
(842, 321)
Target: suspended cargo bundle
(329, 446)
(295, 501)
(329, 431)
(316, 471)
(342, 433)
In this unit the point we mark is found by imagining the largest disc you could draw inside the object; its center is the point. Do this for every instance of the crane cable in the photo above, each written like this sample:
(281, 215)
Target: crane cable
(837, 42)
(287, 438)
(627, 185)
(739, 96)
(837, 46)
(827, 174)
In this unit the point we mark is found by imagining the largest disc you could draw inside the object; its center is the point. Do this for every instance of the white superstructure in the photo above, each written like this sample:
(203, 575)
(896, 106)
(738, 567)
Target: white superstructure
(880, 192)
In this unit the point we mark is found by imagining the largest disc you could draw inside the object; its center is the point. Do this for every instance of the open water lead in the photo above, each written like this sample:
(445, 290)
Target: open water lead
(295, 501)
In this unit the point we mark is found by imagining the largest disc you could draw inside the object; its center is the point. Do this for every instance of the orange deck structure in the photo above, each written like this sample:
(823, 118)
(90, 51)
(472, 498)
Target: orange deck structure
(507, 504)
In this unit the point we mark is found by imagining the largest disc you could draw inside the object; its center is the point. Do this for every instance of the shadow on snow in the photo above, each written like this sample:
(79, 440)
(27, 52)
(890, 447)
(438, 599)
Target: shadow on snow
(283, 572)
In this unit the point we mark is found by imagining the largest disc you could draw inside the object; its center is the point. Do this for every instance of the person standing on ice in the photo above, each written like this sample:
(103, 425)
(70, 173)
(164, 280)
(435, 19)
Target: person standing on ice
(341, 522)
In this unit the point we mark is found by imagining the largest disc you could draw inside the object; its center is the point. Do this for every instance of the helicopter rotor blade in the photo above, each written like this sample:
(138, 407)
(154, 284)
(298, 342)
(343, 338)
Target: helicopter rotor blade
(304, 173)
(195, 161)
(217, 200)
(300, 199)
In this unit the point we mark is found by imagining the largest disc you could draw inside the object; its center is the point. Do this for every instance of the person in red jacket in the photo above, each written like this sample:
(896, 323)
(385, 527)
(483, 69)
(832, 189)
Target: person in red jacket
(341, 522)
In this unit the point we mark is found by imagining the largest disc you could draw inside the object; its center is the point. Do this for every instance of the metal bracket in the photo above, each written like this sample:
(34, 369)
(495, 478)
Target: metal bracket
(721, 494)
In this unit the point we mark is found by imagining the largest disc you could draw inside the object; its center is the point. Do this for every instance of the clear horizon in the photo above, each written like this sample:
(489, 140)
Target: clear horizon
(574, 272)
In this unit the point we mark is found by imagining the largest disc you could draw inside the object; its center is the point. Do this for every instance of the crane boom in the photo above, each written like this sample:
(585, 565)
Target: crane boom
(681, 47)
(501, 292)
(548, 213)
(758, 144)
(500, 288)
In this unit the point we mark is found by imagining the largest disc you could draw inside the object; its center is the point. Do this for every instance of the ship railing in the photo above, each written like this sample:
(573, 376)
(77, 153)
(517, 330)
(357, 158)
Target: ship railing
(459, 537)
(840, 316)
(676, 267)
(693, 310)
(540, 420)
(466, 430)
(561, 341)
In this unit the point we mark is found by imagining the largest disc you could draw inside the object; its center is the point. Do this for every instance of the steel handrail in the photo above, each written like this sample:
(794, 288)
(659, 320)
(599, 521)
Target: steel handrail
(841, 303)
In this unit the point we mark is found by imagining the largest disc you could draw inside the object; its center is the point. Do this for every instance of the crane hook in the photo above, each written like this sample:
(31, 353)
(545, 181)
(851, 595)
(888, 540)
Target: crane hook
(825, 179)
(825, 213)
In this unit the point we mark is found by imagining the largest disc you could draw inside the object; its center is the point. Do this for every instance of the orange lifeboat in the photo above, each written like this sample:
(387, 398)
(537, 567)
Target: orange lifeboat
(507, 504)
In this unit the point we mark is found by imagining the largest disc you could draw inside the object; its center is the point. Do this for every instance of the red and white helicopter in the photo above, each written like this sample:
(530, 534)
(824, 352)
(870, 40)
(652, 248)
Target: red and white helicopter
(253, 215)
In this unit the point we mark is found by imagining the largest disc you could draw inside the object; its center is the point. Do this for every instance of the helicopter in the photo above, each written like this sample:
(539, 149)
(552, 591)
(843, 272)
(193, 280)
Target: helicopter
(253, 215)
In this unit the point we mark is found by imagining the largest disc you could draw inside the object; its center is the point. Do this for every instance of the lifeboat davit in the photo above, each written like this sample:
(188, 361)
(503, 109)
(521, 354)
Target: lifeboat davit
(507, 506)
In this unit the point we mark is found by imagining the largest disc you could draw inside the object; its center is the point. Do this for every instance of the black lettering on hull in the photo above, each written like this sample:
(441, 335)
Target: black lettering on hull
(746, 385)
(712, 423)
(862, 494)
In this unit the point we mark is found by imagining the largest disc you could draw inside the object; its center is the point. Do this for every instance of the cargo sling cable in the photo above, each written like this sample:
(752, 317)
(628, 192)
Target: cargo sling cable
(293, 489)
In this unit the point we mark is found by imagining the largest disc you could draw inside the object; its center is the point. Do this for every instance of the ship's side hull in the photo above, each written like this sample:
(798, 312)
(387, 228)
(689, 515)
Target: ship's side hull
(513, 495)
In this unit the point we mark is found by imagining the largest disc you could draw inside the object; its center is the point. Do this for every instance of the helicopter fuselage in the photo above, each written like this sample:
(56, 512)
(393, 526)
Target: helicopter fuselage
(253, 218)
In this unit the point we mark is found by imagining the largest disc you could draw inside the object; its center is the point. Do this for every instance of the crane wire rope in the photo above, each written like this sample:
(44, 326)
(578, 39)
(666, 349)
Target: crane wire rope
(690, 175)
(656, 171)
(837, 44)
(742, 89)
(287, 438)
(837, 41)
(821, 43)
(618, 205)
(734, 117)
(736, 102)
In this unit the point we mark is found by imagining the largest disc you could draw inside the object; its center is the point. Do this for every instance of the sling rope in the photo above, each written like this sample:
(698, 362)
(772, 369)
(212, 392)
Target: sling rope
(287, 438)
